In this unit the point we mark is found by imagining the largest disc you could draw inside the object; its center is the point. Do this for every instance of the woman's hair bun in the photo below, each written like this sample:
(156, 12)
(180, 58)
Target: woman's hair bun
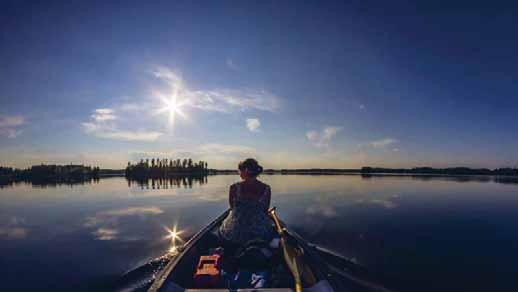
(252, 166)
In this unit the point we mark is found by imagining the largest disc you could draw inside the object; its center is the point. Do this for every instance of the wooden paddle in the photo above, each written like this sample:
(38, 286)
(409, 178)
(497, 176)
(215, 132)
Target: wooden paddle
(291, 254)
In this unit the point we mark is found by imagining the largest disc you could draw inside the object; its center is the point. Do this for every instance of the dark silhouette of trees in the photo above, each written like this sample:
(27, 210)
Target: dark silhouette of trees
(442, 171)
(50, 174)
(161, 168)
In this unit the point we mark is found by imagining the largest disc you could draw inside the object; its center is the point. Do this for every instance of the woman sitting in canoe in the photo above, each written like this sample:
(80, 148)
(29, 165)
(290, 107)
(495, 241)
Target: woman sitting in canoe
(249, 202)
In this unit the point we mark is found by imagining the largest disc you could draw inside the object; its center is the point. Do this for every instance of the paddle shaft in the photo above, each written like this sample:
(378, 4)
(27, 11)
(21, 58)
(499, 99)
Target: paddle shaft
(290, 254)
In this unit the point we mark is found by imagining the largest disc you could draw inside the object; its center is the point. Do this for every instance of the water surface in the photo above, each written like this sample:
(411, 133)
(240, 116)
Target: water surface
(428, 234)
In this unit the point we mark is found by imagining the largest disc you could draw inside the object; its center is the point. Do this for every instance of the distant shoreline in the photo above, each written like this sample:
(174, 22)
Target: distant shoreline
(43, 174)
(369, 171)
(297, 172)
(365, 171)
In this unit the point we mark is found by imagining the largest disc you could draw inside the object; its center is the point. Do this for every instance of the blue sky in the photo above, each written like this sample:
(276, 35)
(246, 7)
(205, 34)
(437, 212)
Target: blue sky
(318, 84)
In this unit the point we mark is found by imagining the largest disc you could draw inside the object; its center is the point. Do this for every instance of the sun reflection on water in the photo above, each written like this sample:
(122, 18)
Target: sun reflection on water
(174, 236)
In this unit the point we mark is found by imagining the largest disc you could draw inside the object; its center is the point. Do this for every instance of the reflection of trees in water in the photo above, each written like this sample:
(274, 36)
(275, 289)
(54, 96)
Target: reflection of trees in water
(168, 182)
(4, 183)
(68, 182)
(49, 183)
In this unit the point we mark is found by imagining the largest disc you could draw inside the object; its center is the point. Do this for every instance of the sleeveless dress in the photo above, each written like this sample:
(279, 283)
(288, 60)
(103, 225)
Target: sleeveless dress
(248, 219)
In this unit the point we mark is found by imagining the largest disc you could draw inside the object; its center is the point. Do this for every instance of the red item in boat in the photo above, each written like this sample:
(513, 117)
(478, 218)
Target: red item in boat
(208, 273)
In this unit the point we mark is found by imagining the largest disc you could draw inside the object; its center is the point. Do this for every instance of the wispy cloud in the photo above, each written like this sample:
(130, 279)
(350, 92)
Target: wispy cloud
(322, 207)
(324, 137)
(11, 121)
(231, 64)
(107, 223)
(387, 204)
(102, 125)
(383, 142)
(225, 149)
(199, 151)
(111, 216)
(222, 100)
(130, 106)
(253, 124)
(106, 233)
(103, 114)
(10, 133)
(14, 229)
(9, 125)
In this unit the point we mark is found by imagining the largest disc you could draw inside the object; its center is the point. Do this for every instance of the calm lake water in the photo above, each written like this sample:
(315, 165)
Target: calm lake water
(439, 234)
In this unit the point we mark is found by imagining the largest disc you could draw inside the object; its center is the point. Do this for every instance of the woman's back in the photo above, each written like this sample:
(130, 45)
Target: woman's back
(250, 192)
(248, 219)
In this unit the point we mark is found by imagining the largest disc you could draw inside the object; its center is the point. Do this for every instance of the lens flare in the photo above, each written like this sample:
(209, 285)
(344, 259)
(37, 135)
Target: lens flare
(171, 105)
(174, 236)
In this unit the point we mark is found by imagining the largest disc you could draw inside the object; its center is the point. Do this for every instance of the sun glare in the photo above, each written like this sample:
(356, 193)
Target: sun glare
(174, 236)
(174, 233)
(171, 106)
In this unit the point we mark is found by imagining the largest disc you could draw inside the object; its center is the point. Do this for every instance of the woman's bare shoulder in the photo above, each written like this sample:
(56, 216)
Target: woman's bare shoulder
(264, 185)
(234, 186)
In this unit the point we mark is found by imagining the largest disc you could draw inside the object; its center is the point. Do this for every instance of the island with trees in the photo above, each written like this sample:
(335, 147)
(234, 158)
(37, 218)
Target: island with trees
(164, 172)
(164, 167)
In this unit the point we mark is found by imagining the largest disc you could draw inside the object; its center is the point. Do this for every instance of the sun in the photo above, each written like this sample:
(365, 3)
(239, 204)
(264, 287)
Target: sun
(171, 105)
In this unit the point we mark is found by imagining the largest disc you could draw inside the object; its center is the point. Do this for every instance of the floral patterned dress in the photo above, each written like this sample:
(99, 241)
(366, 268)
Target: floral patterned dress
(248, 219)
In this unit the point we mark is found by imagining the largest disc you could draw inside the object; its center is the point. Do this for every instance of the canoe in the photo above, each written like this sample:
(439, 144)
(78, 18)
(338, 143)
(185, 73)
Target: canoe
(319, 270)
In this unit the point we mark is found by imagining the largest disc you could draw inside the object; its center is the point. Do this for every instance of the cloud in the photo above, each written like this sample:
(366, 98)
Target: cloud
(122, 135)
(222, 100)
(133, 211)
(387, 204)
(11, 121)
(202, 150)
(130, 107)
(111, 216)
(15, 229)
(10, 133)
(383, 142)
(103, 114)
(231, 64)
(324, 137)
(215, 148)
(326, 210)
(106, 233)
(102, 126)
(107, 223)
(9, 126)
(253, 124)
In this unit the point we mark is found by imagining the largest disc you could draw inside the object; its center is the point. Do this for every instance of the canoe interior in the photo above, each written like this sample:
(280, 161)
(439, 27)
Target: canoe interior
(185, 266)
(329, 272)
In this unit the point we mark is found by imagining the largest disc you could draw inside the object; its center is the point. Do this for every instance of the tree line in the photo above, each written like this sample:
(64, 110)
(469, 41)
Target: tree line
(443, 171)
(48, 172)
